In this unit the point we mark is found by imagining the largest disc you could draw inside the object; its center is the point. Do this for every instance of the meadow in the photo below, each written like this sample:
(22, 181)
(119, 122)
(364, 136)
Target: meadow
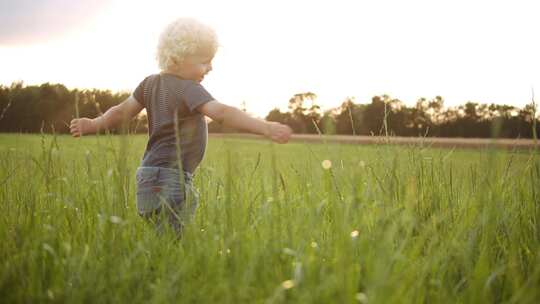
(295, 223)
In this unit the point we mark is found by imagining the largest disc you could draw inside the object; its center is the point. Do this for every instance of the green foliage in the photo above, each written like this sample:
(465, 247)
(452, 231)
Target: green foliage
(382, 224)
(389, 116)
(50, 107)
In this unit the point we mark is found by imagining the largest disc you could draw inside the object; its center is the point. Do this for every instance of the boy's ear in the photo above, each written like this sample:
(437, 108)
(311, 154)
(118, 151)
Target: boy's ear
(177, 63)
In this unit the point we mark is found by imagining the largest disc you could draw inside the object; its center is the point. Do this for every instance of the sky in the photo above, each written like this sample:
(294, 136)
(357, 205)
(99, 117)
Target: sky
(481, 51)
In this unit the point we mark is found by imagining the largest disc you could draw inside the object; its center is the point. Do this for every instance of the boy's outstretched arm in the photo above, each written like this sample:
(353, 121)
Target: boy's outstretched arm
(233, 117)
(112, 117)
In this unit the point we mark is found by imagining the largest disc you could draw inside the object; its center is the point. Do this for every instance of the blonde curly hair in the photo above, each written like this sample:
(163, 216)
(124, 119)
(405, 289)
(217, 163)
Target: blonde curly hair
(182, 38)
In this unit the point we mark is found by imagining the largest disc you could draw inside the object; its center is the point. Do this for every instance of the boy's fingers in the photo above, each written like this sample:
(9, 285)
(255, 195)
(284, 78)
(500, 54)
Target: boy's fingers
(74, 130)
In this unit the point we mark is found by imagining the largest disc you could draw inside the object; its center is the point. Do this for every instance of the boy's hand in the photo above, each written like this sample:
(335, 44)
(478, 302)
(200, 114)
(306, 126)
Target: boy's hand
(82, 126)
(278, 132)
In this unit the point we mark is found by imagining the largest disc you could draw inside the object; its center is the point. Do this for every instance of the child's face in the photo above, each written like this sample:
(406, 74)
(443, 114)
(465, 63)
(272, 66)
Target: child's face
(196, 67)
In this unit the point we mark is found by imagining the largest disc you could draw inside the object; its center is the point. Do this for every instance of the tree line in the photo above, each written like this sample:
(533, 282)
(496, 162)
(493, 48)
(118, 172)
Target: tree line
(385, 115)
(50, 107)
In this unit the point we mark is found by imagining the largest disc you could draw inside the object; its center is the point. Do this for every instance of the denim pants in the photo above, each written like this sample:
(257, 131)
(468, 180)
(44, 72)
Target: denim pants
(162, 197)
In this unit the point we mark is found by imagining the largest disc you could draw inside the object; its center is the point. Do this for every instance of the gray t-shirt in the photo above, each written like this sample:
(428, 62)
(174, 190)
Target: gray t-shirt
(163, 95)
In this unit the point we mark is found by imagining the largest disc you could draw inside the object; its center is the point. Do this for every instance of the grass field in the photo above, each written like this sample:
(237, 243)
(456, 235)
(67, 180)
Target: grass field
(382, 224)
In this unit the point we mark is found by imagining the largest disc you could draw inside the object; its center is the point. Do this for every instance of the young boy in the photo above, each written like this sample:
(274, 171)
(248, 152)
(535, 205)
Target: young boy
(176, 104)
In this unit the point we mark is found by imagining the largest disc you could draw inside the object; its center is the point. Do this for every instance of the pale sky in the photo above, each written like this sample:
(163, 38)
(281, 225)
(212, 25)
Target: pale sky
(483, 51)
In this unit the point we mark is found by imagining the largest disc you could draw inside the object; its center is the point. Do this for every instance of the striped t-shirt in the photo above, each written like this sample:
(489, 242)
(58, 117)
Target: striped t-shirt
(163, 95)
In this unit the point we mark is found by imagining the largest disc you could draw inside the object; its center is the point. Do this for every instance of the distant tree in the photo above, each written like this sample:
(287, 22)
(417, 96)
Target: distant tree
(278, 116)
(304, 118)
(347, 117)
(50, 107)
(374, 115)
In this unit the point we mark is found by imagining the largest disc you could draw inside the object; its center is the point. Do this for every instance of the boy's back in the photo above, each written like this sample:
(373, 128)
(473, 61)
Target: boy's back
(163, 95)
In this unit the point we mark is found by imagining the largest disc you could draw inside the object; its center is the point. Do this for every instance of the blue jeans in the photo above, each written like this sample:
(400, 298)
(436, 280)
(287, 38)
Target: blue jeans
(162, 197)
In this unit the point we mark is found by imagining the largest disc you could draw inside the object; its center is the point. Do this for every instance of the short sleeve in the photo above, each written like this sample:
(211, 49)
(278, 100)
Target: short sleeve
(138, 94)
(196, 95)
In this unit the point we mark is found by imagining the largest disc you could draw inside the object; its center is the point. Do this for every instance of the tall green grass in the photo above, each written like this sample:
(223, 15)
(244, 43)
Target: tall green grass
(383, 224)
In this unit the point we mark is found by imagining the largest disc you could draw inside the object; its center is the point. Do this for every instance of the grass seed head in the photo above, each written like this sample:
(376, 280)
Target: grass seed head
(115, 219)
(361, 297)
(287, 284)
(326, 164)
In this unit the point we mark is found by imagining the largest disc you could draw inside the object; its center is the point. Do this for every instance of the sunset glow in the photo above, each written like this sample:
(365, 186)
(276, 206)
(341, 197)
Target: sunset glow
(482, 51)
